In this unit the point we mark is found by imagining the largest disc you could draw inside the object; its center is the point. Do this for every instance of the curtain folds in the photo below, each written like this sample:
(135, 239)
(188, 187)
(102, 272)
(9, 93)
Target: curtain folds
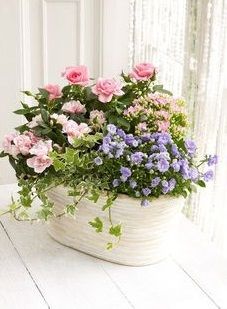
(186, 40)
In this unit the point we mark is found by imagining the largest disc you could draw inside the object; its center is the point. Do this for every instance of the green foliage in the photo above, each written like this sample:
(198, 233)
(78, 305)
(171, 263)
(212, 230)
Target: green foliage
(97, 224)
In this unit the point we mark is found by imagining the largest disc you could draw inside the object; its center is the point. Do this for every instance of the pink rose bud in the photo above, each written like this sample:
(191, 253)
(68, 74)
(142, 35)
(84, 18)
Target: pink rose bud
(54, 91)
(143, 71)
(74, 107)
(41, 148)
(39, 163)
(8, 145)
(106, 88)
(77, 75)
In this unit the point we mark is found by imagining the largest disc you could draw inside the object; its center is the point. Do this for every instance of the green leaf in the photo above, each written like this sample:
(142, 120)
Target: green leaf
(94, 195)
(58, 165)
(201, 183)
(97, 224)
(69, 155)
(116, 230)
(22, 111)
(109, 201)
(123, 122)
(3, 154)
(44, 92)
(45, 115)
(71, 209)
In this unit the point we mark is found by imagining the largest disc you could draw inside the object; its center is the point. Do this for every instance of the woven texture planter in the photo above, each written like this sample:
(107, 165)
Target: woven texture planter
(147, 232)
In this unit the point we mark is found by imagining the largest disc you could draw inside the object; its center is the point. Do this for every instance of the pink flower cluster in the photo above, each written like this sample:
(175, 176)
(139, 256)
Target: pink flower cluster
(60, 119)
(75, 130)
(29, 144)
(106, 88)
(74, 107)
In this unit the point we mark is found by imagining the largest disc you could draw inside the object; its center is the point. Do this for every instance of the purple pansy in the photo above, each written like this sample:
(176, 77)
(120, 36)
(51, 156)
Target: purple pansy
(111, 128)
(190, 146)
(146, 191)
(163, 165)
(137, 157)
(212, 160)
(209, 175)
(145, 203)
(155, 182)
(132, 183)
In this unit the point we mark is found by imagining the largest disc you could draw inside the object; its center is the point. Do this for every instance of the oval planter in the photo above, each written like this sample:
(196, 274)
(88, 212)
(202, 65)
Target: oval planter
(147, 232)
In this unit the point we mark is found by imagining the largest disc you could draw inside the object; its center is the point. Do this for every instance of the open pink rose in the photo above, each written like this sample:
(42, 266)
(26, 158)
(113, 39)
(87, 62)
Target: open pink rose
(143, 71)
(75, 130)
(8, 145)
(106, 88)
(39, 163)
(97, 118)
(36, 120)
(54, 91)
(77, 75)
(41, 148)
(74, 107)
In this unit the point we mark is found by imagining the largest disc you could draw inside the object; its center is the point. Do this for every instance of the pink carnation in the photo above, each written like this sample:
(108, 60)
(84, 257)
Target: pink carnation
(54, 91)
(97, 117)
(61, 119)
(41, 148)
(77, 75)
(23, 143)
(8, 145)
(74, 107)
(35, 121)
(143, 71)
(75, 130)
(106, 88)
(39, 163)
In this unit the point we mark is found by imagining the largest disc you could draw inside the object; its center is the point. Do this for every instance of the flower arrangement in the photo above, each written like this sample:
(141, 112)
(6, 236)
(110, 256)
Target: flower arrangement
(117, 136)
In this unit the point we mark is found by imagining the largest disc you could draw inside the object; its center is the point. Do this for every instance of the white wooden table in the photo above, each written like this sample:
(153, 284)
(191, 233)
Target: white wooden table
(37, 272)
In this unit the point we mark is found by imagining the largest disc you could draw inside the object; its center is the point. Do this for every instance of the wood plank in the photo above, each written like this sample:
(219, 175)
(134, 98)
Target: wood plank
(17, 289)
(202, 261)
(159, 286)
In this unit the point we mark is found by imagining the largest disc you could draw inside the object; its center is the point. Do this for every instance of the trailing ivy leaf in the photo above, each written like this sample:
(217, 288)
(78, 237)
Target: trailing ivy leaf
(58, 165)
(116, 230)
(94, 195)
(97, 224)
(109, 246)
(109, 201)
(71, 209)
(69, 155)
(201, 183)
(45, 213)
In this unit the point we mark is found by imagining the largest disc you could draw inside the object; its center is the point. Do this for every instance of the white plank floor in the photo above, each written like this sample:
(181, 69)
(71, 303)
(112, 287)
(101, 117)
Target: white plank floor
(37, 272)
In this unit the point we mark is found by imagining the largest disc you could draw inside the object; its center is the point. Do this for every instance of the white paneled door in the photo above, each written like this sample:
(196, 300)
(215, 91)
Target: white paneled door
(38, 38)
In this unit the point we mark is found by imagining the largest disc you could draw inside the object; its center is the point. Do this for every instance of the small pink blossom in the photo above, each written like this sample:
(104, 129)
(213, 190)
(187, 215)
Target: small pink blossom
(97, 117)
(163, 114)
(35, 121)
(34, 139)
(73, 130)
(61, 119)
(41, 148)
(142, 126)
(8, 145)
(106, 88)
(77, 75)
(74, 107)
(163, 126)
(143, 71)
(39, 163)
(54, 91)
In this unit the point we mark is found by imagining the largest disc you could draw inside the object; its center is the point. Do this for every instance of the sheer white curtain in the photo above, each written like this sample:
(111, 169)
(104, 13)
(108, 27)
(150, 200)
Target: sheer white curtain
(186, 39)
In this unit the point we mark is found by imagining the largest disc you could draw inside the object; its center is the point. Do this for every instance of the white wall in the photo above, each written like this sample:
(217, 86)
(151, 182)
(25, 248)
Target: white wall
(38, 38)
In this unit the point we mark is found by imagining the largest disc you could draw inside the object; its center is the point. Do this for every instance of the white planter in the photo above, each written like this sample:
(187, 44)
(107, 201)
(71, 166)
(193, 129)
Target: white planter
(147, 232)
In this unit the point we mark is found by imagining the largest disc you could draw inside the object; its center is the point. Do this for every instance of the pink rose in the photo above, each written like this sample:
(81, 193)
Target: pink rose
(106, 88)
(61, 119)
(8, 145)
(73, 130)
(143, 71)
(77, 75)
(97, 118)
(23, 143)
(74, 107)
(34, 139)
(41, 148)
(39, 163)
(54, 91)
